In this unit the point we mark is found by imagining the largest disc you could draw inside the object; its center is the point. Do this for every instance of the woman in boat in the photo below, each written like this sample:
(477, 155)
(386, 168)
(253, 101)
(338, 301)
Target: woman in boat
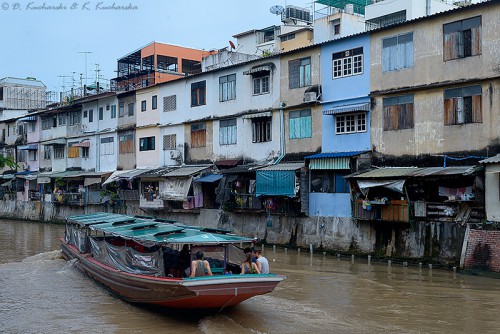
(200, 267)
(248, 266)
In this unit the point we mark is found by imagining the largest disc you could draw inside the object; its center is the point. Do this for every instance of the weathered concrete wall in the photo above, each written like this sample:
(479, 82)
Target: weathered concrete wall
(437, 242)
(483, 250)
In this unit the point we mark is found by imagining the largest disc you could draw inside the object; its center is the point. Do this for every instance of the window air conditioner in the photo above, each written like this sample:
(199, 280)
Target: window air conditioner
(175, 154)
(310, 97)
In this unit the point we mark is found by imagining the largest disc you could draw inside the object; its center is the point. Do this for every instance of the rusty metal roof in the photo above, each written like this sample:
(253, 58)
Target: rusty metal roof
(408, 172)
(284, 166)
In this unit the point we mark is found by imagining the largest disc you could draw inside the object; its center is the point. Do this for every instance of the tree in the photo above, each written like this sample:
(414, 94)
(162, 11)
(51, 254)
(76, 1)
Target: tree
(7, 161)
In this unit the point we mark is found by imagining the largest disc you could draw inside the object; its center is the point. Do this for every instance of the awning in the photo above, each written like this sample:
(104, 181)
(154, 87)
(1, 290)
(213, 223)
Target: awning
(85, 143)
(27, 119)
(347, 109)
(187, 171)
(29, 177)
(59, 141)
(258, 115)
(176, 189)
(209, 178)
(332, 160)
(394, 185)
(278, 180)
(6, 184)
(258, 69)
(30, 147)
(125, 175)
(91, 180)
(43, 179)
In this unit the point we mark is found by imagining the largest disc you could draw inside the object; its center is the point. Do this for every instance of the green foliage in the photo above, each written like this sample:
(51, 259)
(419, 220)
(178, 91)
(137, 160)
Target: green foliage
(7, 161)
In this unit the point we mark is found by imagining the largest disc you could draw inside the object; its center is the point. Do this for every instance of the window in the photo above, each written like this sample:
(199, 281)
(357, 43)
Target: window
(261, 85)
(300, 124)
(32, 156)
(62, 119)
(397, 52)
(299, 72)
(59, 152)
(167, 63)
(169, 103)
(46, 152)
(329, 181)
(107, 107)
(107, 145)
(73, 151)
(32, 126)
(350, 123)
(121, 109)
(347, 63)
(227, 87)
(131, 109)
(21, 156)
(198, 135)
(143, 105)
(198, 91)
(463, 105)
(1, 93)
(336, 27)
(398, 112)
(46, 123)
(227, 132)
(101, 113)
(287, 37)
(74, 118)
(261, 129)
(91, 115)
(169, 142)
(462, 38)
(85, 152)
(126, 143)
(154, 102)
(191, 66)
(147, 144)
(113, 111)
(85, 113)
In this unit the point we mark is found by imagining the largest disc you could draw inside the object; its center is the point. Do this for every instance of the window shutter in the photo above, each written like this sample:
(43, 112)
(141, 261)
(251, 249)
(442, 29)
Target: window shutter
(477, 114)
(449, 112)
(170, 103)
(294, 73)
(476, 41)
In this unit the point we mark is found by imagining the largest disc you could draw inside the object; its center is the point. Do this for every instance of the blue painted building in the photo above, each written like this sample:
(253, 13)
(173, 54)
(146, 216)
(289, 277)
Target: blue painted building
(345, 81)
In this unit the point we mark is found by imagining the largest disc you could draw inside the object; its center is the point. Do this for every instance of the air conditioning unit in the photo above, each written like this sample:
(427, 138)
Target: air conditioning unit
(310, 97)
(175, 154)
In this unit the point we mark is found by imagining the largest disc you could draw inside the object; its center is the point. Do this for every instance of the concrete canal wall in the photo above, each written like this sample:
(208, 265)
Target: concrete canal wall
(419, 242)
(483, 250)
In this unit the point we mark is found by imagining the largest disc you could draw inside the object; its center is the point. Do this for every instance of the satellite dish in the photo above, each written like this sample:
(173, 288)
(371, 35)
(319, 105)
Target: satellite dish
(277, 9)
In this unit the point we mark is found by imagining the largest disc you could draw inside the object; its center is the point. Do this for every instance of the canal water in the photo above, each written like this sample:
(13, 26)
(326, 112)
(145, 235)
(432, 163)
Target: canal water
(42, 293)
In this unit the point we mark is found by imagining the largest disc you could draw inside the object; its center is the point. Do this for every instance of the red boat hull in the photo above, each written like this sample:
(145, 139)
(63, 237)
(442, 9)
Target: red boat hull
(185, 293)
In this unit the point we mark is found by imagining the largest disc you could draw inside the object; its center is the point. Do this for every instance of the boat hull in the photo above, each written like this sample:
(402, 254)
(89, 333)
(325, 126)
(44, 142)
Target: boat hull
(185, 293)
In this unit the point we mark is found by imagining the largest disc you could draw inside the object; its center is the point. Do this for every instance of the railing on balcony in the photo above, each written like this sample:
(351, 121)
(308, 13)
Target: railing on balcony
(392, 211)
(245, 202)
(128, 195)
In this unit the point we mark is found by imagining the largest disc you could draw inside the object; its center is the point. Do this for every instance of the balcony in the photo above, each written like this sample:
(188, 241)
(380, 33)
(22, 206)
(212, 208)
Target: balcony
(390, 211)
(244, 202)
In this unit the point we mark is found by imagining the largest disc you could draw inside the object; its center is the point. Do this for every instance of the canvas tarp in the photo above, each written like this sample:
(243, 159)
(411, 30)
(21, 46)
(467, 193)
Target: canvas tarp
(394, 185)
(176, 188)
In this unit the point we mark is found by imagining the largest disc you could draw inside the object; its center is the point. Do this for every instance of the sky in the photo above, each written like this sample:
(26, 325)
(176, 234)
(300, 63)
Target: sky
(60, 42)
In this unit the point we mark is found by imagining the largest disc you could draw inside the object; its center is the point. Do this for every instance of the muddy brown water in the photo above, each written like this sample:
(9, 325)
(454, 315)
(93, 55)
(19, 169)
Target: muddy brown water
(42, 293)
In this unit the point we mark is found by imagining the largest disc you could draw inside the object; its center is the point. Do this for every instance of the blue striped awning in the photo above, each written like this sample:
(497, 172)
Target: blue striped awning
(347, 109)
(332, 160)
(27, 119)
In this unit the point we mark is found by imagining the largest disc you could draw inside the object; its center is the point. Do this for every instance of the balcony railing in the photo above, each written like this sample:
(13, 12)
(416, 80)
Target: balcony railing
(392, 211)
(245, 202)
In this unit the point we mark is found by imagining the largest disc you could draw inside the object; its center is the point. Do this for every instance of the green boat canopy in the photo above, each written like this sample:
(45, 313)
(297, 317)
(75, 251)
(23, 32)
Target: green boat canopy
(159, 231)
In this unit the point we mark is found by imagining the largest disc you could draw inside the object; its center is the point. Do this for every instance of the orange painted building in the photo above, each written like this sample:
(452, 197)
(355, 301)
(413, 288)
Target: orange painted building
(156, 63)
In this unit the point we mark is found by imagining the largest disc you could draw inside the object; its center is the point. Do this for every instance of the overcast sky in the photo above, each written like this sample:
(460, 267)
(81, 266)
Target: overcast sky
(47, 43)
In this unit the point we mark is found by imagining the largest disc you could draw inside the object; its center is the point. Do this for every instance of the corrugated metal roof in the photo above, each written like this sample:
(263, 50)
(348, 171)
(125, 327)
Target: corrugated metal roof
(248, 168)
(347, 109)
(187, 170)
(209, 178)
(284, 166)
(407, 172)
(492, 160)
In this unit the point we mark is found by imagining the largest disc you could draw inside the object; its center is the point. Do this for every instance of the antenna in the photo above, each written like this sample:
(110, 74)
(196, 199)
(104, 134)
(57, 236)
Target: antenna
(85, 53)
(277, 9)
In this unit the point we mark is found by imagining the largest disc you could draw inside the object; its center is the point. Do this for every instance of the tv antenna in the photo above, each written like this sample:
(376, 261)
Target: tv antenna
(277, 9)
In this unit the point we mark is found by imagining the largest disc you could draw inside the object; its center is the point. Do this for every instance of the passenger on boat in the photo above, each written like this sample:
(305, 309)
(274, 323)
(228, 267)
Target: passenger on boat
(184, 260)
(248, 266)
(262, 262)
(200, 267)
(252, 252)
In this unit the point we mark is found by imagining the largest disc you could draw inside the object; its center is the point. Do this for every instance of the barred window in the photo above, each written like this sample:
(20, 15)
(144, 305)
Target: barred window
(169, 103)
(169, 142)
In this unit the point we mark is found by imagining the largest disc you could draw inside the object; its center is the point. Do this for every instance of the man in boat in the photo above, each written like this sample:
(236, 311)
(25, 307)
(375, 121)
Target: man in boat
(261, 262)
(200, 267)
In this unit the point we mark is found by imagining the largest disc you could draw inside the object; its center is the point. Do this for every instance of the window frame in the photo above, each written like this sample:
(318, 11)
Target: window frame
(147, 143)
(261, 129)
(455, 35)
(393, 48)
(263, 84)
(400, 109)
(358, 120)
(298, 119)
(154, 102)
(463, 105)
(347, 63)
(228, 132)
(227, 87)
(300, 73)
(198, 93)
(198, 135)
